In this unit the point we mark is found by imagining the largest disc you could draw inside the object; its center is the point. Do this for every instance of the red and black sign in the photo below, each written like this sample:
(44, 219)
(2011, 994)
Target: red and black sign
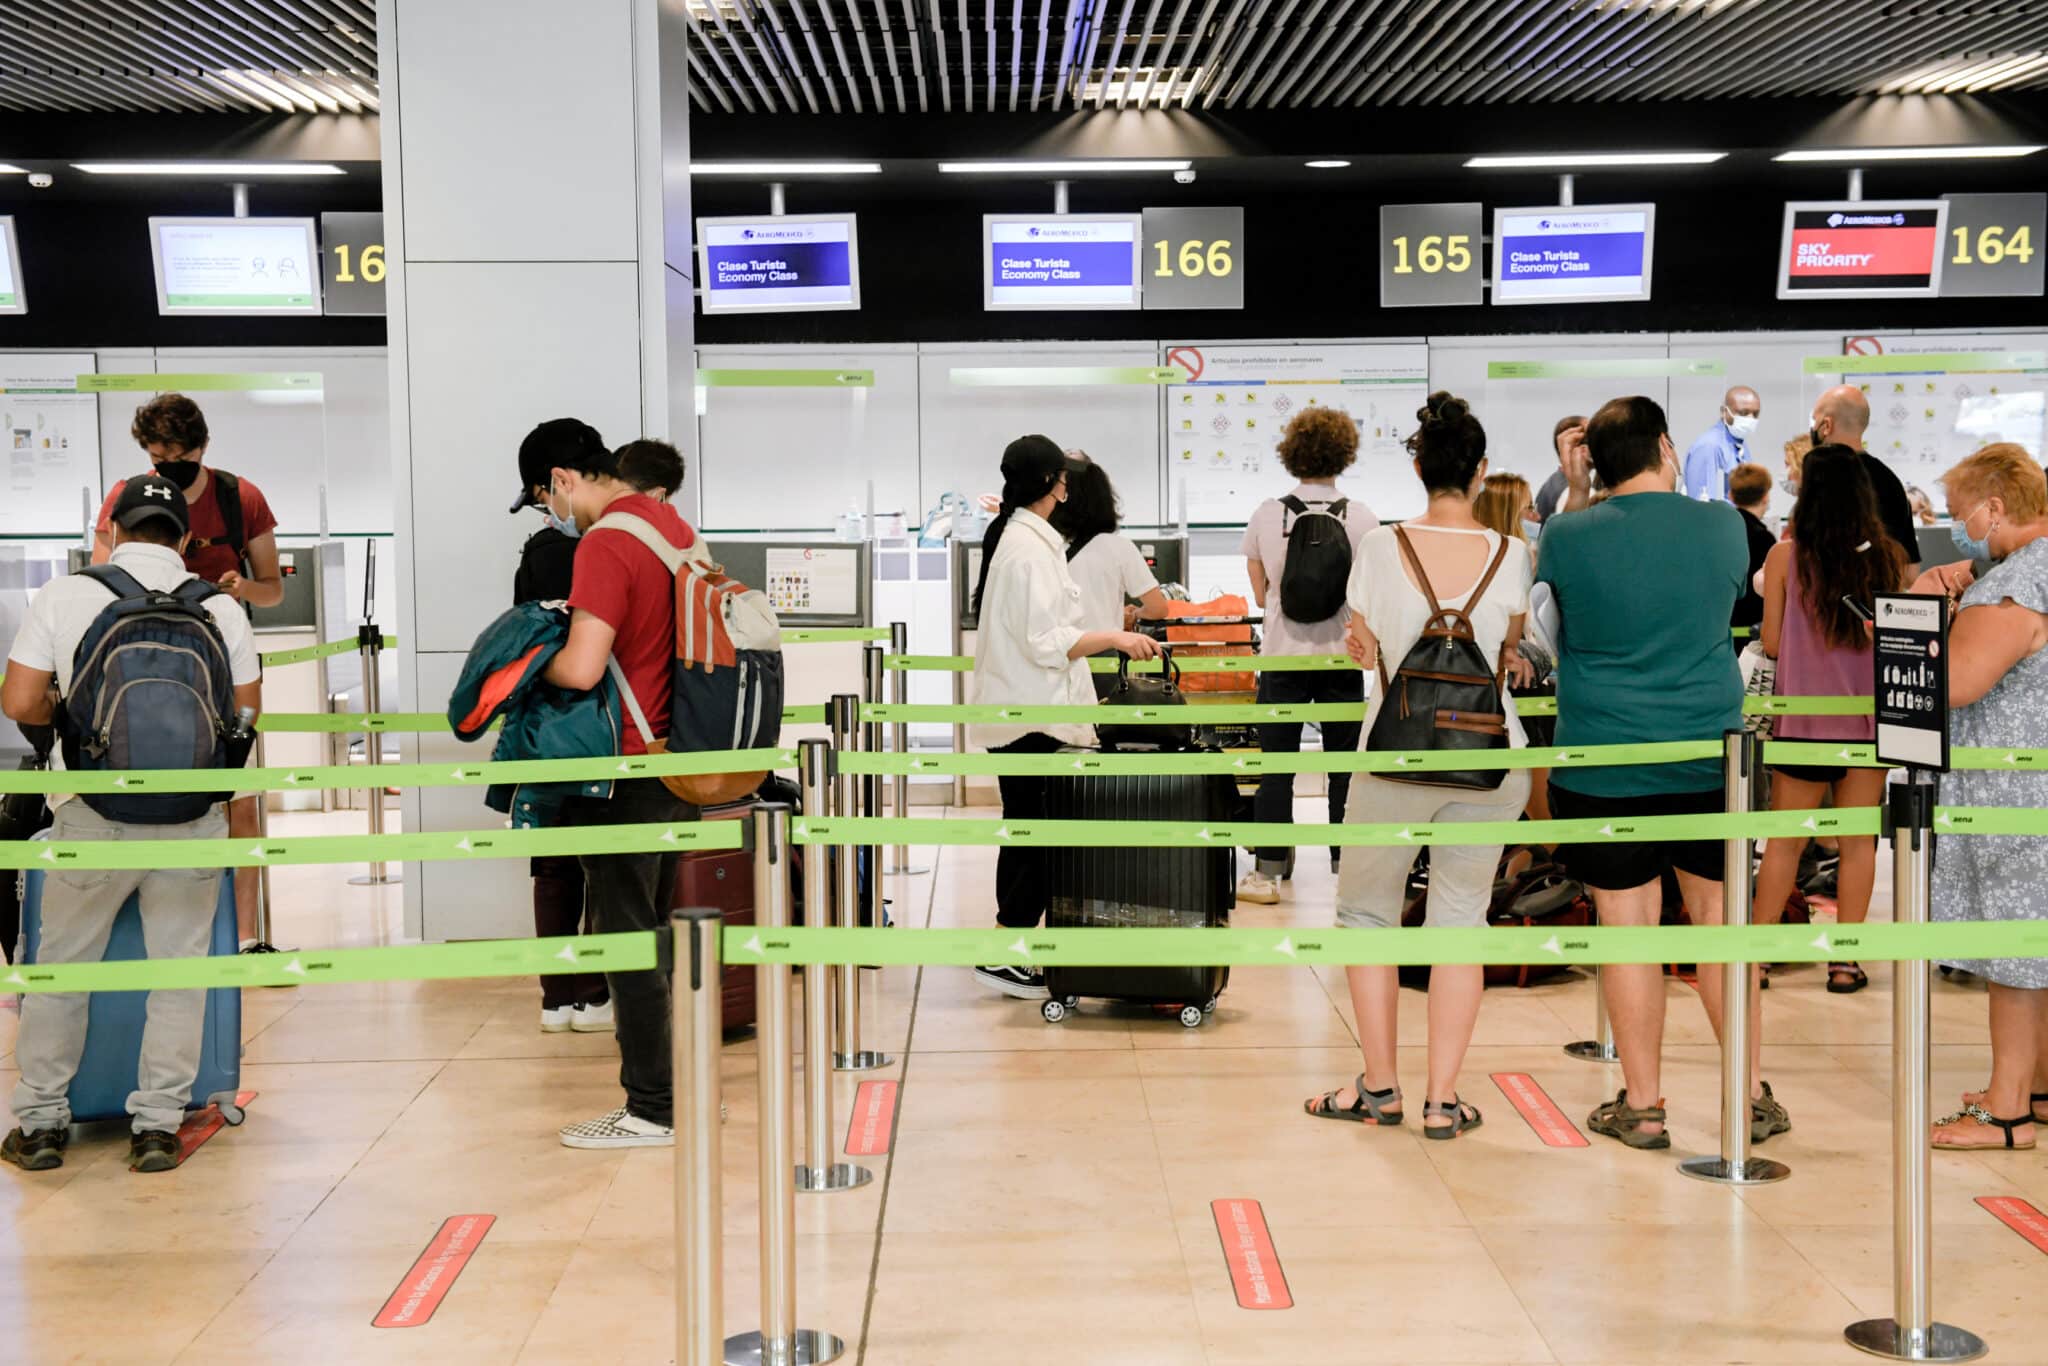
(1861, 250)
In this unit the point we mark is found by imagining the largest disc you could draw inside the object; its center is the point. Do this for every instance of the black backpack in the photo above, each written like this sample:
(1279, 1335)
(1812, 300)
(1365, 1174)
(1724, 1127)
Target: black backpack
(151, 688)
(1317, 567)
(227, 496)
(1445, 695)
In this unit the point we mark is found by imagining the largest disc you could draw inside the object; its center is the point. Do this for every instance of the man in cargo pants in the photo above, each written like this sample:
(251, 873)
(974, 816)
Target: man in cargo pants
(79, 905)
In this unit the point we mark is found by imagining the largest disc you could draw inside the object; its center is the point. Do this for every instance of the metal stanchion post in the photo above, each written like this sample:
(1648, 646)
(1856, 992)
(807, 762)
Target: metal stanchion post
(847, 1054)
(780, 1342)
(1735, 1166)
(1911, 1334)
(899, 741)
(1599, 1048)
(819, 1172)
(697, 992)
(262, 872)
(872, 675)
(370, 641)
(959, 699)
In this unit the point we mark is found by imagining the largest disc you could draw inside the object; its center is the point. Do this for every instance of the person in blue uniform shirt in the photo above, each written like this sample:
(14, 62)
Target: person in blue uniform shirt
(1722, 446)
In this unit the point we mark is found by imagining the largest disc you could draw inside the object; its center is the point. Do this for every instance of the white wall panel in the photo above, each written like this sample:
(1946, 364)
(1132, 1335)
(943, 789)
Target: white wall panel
(485, 899)
(482, 374)
(795, 458)
(963, 429)
(543, 175)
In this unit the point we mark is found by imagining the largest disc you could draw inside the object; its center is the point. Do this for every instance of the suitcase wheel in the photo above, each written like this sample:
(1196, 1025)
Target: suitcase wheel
(229, 1111)
(1192, 1016)
(1209, 1006)
(1054, 1011)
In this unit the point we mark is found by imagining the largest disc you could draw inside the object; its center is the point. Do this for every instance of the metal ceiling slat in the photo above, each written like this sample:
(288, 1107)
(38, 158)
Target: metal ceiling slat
(1038, 62)
(739, 53)
(46, 33)
(1203, 71)
(1786, 70)
(19, 94)
(1367, 36)
(1077, 19)
(1388, 56)
(770, 57)
(889, 52)
(1116, 50)
(867, 58)
(277, 34)
(803, 23)
(995, 57)
(1709, 83)
(1180, 12)
(1251, 69)
(1080, 73)
(1988, 33)
(966, 60)
(88, 90)
(939, 50)
(1609, 29)
(710, 49)
(790, 57)
(246, 46)
(1416, 44)
(1442, 60)
(1017, 46)
(1285, 61)
(1514, 43)
(915, 35)
(163, 45)
(839, 54)
(312, 32)
(1664, 38)
(1123, 95)
(703, 80)
(1702, 39)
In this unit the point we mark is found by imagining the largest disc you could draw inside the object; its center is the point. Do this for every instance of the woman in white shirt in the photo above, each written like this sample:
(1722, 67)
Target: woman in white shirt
(1031, 649)
(1389, 610)
(1105, 566)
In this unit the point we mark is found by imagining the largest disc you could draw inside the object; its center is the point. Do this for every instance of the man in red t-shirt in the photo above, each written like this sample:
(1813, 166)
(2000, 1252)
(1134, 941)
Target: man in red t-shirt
(622, 601)
(172, 432)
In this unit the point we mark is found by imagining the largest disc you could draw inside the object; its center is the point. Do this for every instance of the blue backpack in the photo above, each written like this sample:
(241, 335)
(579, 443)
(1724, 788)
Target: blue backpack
(150, 688)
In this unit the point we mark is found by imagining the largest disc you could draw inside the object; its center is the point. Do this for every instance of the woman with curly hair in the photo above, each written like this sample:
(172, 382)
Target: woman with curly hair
(1318, 445)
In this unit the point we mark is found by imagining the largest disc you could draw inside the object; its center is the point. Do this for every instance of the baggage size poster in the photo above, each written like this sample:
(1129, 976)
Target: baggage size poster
(1922, 421)
(1223, 424)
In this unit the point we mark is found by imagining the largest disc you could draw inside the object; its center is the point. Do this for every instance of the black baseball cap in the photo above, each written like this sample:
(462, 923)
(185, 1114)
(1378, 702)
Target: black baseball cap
(548, 447)
(151, 495)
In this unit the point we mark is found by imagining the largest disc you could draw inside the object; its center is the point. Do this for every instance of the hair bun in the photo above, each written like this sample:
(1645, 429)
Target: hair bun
(1442, 408)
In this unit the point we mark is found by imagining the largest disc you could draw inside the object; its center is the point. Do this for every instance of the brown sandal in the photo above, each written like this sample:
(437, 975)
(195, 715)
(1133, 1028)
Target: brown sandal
(2037, 1102)
(1618, 1119)
(1844, 978)
(1978, 1136)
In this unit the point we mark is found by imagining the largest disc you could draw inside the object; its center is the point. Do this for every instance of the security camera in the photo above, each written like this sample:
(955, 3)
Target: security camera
(41, 180)
(1183, 177)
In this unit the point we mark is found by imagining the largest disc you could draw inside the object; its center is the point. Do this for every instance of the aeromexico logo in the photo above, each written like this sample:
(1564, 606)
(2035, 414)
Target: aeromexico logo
(775, 234)
(1866, 220)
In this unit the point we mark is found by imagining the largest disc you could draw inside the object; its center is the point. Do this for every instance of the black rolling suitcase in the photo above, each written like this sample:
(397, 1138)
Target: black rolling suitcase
(1140, 888)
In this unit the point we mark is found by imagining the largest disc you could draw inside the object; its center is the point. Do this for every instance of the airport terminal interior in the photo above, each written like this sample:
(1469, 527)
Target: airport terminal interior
(1088, 589)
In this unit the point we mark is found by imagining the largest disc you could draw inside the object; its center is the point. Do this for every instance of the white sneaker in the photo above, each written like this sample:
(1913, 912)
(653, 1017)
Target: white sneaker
(618, 1130)
(560, 1020)
(595, 1019)
(1258, 889)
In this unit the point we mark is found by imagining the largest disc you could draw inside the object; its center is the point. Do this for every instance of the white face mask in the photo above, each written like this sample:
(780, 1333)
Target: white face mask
(562, 522)
(1742, 427)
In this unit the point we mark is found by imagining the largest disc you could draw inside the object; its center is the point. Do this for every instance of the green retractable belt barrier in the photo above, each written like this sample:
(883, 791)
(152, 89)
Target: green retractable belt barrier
(278, 658)
(1252, 713)
(342, 777)
(1252, 764)
(426, 722)
(820, 635)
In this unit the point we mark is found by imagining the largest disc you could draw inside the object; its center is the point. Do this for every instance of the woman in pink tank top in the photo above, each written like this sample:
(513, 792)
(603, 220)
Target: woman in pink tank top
(1837, 552)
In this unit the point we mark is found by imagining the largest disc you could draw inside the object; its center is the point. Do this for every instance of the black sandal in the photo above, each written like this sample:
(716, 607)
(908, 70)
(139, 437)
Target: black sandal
(1985, 1119)
(1456, 1111)
(1857, 978)
(1369, 1107)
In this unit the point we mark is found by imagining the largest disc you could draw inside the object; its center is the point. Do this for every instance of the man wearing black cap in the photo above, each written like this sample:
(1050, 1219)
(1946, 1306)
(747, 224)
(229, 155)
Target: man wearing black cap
(151, 524)
(576, 1001)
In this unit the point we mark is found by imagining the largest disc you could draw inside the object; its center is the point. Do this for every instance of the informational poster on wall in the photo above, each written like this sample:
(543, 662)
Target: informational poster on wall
(1223, 424)
(1934, 400)
(51, 435)
(814, 581)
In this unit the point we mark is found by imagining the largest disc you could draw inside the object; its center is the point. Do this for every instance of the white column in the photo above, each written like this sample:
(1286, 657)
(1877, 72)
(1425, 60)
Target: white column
(525, 222)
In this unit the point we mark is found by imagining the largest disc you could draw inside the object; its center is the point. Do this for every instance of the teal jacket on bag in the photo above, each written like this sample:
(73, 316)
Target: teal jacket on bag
(503, 678)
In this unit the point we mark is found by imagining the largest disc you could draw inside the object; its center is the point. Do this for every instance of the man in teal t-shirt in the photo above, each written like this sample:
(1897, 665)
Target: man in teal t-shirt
(1644, 584)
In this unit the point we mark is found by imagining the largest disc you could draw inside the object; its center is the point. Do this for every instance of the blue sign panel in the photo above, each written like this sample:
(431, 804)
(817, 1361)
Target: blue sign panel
(799, 263)
(1568, 254)
(1060, 261)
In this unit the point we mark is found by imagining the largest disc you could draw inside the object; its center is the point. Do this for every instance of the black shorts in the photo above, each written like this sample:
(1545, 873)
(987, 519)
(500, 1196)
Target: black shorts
(1617, 867)
(1812, 773)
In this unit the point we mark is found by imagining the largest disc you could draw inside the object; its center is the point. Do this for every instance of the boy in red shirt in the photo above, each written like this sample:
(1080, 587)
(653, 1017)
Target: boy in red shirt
(233, 544)
(623, 605)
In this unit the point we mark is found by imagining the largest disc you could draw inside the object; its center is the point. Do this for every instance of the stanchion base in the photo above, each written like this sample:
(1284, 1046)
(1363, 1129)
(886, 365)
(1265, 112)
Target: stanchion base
(1940, 1341)
(860, 1062)
(842, 1176)
(1757, 1171)
(801, 1348)
(374, 880)
(1591, 1050)
(906, 870)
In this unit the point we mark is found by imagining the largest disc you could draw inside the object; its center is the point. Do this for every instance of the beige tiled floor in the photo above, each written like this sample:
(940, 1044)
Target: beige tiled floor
(1048, 1197)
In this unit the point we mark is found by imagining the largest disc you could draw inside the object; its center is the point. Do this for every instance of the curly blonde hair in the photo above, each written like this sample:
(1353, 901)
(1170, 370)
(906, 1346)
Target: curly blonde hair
(1319, 443)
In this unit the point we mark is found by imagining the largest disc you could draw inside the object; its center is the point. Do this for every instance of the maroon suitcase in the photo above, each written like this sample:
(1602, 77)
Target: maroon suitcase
(724, 880)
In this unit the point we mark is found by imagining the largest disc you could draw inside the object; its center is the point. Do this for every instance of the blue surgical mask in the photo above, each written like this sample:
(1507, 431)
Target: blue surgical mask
(1969, 545)
(1531, 530)
(565, 525)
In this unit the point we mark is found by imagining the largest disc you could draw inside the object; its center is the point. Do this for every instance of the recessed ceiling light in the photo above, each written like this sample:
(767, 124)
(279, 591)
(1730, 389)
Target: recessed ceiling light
(207, 168)
(1906, 153)
(770, 169)
(1567, 160)
(1059, 167)
(1327, 165)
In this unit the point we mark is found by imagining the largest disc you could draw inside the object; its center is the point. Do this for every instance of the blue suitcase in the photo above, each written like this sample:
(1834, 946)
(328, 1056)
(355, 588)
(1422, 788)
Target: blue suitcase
(113, 1034)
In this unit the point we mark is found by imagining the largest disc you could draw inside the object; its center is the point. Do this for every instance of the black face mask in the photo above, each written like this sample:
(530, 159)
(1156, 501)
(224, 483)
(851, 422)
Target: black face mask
(183, 473)
(1813, 435)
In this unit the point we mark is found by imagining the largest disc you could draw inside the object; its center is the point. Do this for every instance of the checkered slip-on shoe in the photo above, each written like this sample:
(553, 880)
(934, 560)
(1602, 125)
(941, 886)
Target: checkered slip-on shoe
(618, 1130)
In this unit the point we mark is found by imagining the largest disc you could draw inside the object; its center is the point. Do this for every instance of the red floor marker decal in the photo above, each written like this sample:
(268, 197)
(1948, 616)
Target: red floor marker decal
(433, 1275)
(2019, 1216)
(1540, 1110)
(1248, 1252)
(872, 1126)
(201, 1125)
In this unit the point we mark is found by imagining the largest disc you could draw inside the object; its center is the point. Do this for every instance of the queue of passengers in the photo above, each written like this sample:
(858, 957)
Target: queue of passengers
(1583, 575)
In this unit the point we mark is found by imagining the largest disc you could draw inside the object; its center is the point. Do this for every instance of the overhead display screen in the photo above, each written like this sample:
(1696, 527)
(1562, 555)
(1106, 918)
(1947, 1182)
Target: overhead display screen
(1573, 254)
(1076, 260)
(798, 263)
(12, 300)
(235, 265)
(1862, 249)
